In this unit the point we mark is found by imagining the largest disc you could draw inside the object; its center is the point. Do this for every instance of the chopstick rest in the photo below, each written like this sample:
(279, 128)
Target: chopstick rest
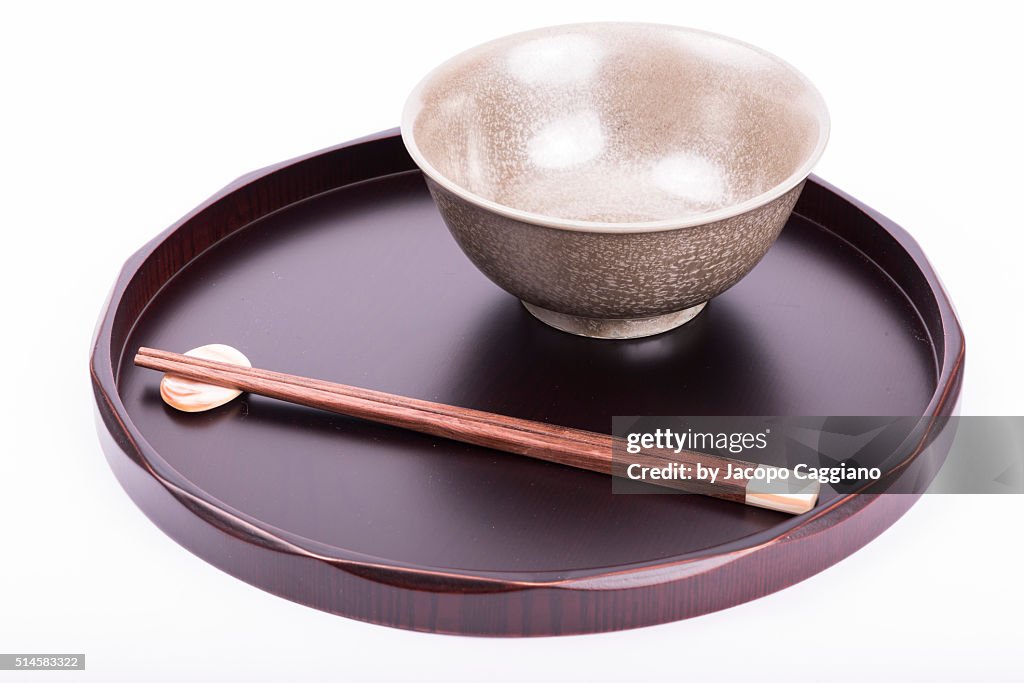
(192, 396)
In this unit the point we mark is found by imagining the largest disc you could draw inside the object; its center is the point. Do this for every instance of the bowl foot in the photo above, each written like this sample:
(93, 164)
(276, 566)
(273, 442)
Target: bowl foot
(614, 328)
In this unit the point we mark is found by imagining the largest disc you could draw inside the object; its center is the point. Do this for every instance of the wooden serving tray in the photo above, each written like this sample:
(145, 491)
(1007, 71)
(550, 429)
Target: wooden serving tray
(337, 265)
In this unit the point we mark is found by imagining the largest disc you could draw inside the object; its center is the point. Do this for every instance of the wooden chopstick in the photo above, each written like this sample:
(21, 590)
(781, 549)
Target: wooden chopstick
(563, 445)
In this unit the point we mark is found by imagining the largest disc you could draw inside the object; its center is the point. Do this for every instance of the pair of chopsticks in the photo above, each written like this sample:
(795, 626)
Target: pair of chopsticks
(563, 445)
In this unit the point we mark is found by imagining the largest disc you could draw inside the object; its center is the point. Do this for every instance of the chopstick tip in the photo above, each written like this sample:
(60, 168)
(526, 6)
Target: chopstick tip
(781, 499)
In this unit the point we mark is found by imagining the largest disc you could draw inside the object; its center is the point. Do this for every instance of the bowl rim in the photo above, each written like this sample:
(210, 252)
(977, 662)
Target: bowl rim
(413, 107)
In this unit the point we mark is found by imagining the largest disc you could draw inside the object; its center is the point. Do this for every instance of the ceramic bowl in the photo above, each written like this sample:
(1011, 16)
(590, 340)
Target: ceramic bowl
(615, 177)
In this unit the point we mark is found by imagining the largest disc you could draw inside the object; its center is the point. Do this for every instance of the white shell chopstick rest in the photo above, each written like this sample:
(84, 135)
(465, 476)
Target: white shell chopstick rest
(192, 397)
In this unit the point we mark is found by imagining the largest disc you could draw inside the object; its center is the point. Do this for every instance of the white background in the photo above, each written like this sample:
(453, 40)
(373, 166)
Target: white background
(116, 120)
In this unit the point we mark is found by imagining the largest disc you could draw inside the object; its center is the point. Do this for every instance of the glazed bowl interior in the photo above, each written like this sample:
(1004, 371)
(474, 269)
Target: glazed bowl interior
(616, 125)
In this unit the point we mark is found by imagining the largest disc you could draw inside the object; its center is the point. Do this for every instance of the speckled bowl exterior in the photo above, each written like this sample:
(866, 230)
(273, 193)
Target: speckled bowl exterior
(613, 275)
(615, 177)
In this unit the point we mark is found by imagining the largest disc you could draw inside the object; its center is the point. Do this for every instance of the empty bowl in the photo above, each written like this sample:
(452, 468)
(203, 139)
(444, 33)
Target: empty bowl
(614, 176)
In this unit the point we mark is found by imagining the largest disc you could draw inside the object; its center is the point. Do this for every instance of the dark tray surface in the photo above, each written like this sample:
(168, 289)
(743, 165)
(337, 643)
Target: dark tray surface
(364, 286)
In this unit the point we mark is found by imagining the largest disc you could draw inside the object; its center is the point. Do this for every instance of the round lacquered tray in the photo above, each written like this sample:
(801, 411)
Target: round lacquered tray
(338, 266)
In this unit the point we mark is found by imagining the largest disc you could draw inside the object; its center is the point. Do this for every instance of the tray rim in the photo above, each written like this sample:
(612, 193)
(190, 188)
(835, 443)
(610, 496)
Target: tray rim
(104, 371)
